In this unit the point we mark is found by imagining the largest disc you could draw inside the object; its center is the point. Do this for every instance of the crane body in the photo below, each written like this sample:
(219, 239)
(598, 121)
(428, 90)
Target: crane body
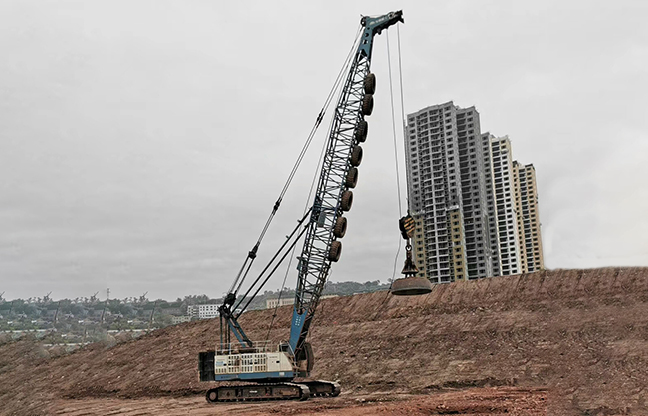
(273, 368)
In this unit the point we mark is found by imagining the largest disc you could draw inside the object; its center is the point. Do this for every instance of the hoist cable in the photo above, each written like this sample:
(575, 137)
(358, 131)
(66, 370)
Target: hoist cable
(400, 209)
(306, 206)
(329, 99)
(274, 313)
(393, 117)
(288, 238)
(301, 233)
(242, 274)
(400, 75)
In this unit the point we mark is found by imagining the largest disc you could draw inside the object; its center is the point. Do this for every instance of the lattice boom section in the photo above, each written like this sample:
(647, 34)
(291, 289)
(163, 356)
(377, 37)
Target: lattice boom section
(314, 263)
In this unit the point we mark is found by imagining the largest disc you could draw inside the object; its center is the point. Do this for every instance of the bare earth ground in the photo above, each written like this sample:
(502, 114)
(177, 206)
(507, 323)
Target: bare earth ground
(478, 401)
(571, 342)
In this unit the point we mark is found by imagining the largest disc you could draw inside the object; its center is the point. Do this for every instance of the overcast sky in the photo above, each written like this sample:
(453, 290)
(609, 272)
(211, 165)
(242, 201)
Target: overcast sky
(143, 143)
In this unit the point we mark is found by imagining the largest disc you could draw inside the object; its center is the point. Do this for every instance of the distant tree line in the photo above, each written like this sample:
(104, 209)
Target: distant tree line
(143, 308)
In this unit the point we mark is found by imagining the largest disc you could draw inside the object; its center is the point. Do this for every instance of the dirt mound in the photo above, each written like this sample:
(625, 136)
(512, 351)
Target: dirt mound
(583, 334)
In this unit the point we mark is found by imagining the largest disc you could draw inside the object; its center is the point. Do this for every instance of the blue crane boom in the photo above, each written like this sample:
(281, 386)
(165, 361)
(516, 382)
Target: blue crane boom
(338, 175)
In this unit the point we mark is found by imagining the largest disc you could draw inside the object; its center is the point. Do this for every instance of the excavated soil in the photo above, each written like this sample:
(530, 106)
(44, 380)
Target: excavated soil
(560, 342)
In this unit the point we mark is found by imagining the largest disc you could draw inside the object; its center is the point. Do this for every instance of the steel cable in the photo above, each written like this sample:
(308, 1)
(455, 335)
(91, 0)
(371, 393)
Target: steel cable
(242, 274)
(292, 255)
(400, 75)
(400, 210)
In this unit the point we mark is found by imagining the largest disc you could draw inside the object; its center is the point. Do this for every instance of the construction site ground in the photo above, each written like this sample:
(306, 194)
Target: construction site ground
(571, 342)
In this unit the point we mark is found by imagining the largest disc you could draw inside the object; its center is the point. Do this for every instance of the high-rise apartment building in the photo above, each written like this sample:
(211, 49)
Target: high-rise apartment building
(476, 209)
(507, 220)
(447, 187)
(490, 203)
(528, 217)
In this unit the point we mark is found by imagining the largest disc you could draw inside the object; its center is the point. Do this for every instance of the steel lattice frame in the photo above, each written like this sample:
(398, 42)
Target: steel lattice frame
(313, 262)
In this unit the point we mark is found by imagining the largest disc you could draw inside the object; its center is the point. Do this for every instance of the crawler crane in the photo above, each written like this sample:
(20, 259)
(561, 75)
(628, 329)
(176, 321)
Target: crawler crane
(263, 371)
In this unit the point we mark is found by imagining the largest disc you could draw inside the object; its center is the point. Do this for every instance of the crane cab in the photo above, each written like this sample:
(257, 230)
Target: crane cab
(258, 363)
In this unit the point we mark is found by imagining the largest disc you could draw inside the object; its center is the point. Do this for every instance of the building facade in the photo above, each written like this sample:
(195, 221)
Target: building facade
(528, 218)
(273, 303)
(447, 188)
(493, 234)
(205, 311)
(180, 319)
(507, 220)
(475, 208)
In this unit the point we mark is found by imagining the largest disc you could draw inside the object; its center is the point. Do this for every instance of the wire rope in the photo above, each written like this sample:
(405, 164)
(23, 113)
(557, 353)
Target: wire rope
(332, 94)
(242, 274)
(400, 75)
(400, 210)
(306, 207)
(393, 117)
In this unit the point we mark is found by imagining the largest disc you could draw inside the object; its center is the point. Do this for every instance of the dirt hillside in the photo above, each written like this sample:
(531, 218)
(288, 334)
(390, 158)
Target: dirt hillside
(581, 334)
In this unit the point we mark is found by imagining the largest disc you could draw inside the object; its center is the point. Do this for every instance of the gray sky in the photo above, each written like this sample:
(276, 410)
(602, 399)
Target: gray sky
(143, 143)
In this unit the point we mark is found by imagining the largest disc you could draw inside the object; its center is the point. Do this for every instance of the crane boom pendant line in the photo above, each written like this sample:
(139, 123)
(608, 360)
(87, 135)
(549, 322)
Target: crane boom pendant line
(252, 254)
(315, 260)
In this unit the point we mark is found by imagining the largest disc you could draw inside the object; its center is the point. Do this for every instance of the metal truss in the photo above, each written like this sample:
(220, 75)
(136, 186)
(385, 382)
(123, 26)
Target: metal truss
(314, 263)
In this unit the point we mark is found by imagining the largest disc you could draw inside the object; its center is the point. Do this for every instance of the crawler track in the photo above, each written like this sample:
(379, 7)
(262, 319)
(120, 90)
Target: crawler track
(322, 388)
(258, 392)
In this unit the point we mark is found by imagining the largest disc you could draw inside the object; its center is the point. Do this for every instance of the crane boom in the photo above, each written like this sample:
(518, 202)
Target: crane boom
(333, 196)
(323, 225)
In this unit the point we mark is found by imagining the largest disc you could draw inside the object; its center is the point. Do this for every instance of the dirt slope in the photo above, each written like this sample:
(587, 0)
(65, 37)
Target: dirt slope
(583, 334)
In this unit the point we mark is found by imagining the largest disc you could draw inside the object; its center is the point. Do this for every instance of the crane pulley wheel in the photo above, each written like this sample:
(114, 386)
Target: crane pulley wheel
(361, 131)
(370, 84)
(335, 251)
(351, 178)
(356, 156)
(367, 104)
(347, 201)
(339, 230)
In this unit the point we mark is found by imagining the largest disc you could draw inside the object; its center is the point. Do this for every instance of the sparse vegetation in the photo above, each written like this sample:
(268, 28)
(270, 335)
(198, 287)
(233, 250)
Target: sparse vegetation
(89, 319)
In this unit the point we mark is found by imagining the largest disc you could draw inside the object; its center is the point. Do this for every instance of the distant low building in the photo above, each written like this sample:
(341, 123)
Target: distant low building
(172, 311)
(272, 303)
(205, 311)
(179, 319)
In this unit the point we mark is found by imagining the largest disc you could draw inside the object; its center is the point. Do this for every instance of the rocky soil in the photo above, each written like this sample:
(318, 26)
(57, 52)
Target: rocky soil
(557, 342)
